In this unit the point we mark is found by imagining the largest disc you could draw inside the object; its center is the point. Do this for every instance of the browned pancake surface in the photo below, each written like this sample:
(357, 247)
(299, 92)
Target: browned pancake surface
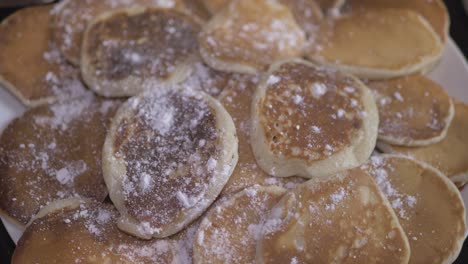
(53, 152)
(449, 155)
(239, 36)
(310, 113)
(412, 108)
(237, 99)
(34, 72)
(88, 234)
(344, 219)
(428, 206)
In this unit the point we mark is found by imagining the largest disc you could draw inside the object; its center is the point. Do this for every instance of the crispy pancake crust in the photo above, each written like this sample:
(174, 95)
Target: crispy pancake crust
(450, 155)
(36, 74)
(77, 231)
(341, 219)
(228, 233)
(413, 110)
(129, 50)
(48, 154)
(428, 205)
(237, 39)
(384, 43)
(310, 121)
(168, 151)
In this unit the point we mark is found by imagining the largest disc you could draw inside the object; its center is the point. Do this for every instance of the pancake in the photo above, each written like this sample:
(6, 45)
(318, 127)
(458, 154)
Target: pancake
(237, 99)
(384, 43)
(71, 17)
(450, 155)
(228, 233)
(310, 121)
(74, 231)
(237, 39)
(167, 156)
(428, 205)
(36, 74)
(434, 11)
(413, 110)
(49, 154)
(342, 219)
(128, 50)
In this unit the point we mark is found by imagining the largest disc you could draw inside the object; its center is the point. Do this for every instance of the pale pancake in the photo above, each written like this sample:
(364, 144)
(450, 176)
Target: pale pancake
(36, 74)
(238, 39)
(377, 43)
(413, 110)
(167, 156)
(342, 219)
(450, 155)
(434, 11)
(237, 99)
(53, 152)
(229, 232)
(72, 16)
(428, 205)
(311, 121)
(74, 231)
(126, 51)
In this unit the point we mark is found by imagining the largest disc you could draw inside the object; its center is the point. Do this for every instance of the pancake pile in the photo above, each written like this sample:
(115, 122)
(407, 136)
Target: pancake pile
(217, 131)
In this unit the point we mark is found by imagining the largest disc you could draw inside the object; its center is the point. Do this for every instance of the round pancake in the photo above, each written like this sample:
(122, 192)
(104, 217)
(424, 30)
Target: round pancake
(413, 110)
(237, 39)
(428, 205)
(310, 121)
(342, 219)
(36, 74)
(49, 154)
(229, 232)
(126, 51)
(71, 17)
(237, 99)
(434, 11)
(450, 155)
(167, 156)
(384, 43)
(74, 231)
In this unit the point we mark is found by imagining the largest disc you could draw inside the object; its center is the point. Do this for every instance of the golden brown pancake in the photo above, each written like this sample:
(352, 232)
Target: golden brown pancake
(167, 157)
(71, 18)
(129, 50)
(229, 232)
(342, 219)
(237, 99)
(238, 39)
(35, 73)
(434, 11)
(377, 43)
(428, 205)
(413, 110)
(450, 155)
(311, 121)
(53, 152)
(74, 231)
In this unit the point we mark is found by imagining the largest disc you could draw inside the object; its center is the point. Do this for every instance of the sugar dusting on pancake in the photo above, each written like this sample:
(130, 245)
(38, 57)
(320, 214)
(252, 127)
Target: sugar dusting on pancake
(168, 156)
(49, 154)
(127, 49)
(88, 233)
(36, 73)
(346, 212)
(229, 232)
(238, 39)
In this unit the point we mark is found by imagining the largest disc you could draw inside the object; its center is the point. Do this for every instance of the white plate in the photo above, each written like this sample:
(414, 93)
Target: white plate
(452, 73)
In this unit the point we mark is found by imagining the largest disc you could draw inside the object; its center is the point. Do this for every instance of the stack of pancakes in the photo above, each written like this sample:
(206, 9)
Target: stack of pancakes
(268, 131)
